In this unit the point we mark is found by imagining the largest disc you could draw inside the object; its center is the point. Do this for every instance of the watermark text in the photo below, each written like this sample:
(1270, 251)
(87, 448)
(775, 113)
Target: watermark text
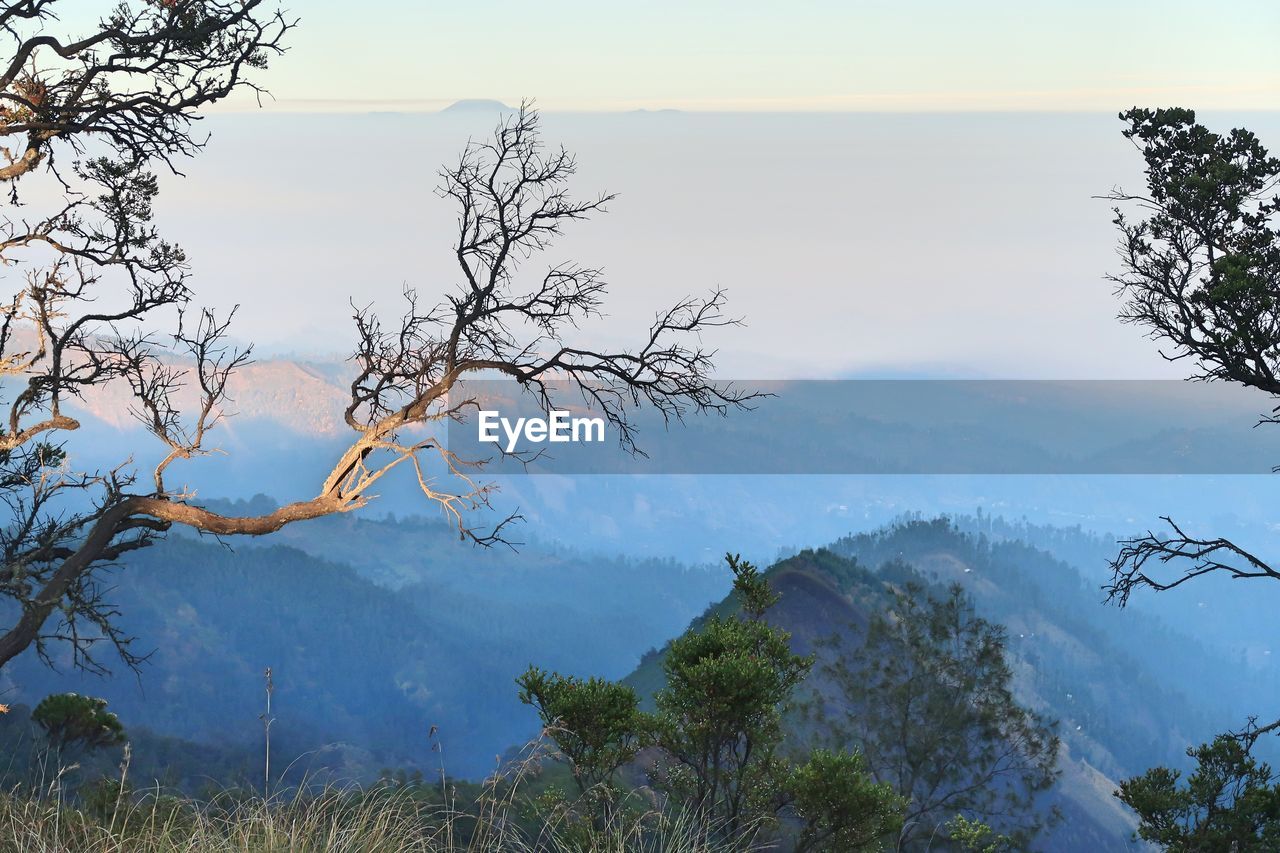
(558, 426)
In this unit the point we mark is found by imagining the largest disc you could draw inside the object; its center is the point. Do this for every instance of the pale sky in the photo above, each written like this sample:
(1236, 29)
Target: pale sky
(857, 227)
(959, 244)
(800, 55)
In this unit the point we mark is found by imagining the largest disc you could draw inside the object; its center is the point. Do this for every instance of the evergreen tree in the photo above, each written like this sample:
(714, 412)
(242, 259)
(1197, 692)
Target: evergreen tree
(597, 726)
(929, 701)
(1231, 802)
(720, 714)
(719, 731)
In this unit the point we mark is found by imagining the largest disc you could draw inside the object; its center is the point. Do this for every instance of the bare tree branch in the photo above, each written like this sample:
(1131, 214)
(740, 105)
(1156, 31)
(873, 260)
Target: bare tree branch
(1145, 561)
(100, 276)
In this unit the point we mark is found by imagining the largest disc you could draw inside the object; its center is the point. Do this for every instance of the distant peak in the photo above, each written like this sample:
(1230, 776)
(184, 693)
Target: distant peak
(477, 105)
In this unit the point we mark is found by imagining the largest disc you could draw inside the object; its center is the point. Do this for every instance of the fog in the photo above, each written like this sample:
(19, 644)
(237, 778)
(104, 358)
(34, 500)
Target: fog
(853, 244)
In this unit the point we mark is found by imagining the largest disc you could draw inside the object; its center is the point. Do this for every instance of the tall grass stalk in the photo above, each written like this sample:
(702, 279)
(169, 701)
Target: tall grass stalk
(333, 819)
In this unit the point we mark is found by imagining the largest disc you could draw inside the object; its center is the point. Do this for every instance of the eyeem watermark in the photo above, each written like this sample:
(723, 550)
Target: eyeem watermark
(875, 427)
(558, 426)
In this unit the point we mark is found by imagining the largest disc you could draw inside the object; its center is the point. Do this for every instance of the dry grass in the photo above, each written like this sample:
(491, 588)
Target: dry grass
(333, 819)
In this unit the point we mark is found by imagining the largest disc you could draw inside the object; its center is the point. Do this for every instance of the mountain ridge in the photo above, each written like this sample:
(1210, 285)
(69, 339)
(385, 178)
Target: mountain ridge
(827, 596)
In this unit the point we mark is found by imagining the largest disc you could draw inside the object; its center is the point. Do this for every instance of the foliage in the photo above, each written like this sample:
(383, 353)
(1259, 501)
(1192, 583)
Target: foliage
(1122, 696)
(977, 837)
(840, 807)
(752, 590)
(1201, 271)
(1231, 801)
(596, 724)
(1201, 274)
(86, 120)
(442, 651)
(718, 729)
(929, 701)
(71, 721)
(720, 712)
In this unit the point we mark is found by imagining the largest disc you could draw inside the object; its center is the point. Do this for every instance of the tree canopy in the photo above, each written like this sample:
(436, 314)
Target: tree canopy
(1231, 801)
(70, 720)
(1200, 274)
(928, 699)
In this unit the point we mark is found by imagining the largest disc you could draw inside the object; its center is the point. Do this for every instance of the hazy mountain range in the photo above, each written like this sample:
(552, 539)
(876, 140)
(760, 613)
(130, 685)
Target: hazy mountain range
(380, 625)
(377, 630)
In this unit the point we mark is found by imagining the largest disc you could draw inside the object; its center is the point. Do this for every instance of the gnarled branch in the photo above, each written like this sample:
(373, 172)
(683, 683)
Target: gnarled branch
(1163, 562)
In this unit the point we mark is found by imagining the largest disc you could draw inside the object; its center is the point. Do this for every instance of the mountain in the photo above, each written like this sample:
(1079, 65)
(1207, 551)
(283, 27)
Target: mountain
(300, 397)
(1081, 660)
(288, 431)
(886, 427)
(1119, 710)
(398, 629)
(476, 105)
(378, 628)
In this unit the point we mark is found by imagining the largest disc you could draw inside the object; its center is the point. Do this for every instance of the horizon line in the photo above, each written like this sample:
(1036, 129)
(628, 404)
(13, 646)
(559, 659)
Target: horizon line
(318, 107)
(1257, 98)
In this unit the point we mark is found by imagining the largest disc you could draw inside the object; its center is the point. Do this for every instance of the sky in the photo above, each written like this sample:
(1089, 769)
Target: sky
(883, 188)
(800, 55)
(938, 244)
(754, 55)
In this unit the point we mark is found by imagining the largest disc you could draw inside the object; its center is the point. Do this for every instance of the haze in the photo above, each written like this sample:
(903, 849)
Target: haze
(853, 244)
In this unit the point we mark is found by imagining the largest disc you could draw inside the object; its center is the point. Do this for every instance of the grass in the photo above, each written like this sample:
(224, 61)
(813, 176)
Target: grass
(333, 820)
(111, 818)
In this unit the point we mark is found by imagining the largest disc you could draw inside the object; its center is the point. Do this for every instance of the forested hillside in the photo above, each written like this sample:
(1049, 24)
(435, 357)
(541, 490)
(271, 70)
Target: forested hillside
(365, 660)
(1119, 708)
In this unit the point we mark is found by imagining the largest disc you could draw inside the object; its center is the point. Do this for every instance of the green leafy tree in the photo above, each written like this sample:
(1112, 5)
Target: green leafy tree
(720, 713)
(596, 724)
(929, 701)
(1231, 802)
(74, 722)
(840, 807)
